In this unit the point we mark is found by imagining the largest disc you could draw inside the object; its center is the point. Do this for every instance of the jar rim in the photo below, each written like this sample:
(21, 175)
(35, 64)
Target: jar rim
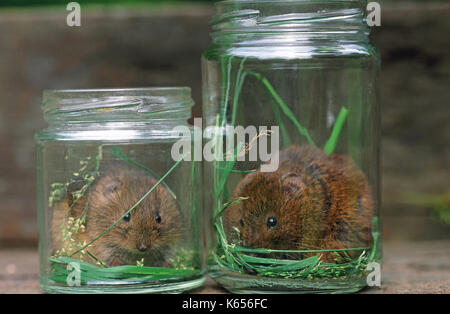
(280, 1)
(293, 16)
(113, 104)
(136, 91)
(225, 3)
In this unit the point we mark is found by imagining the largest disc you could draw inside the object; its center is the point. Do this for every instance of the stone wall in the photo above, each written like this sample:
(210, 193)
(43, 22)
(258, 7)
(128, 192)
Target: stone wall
(140, 46)
(415, 81)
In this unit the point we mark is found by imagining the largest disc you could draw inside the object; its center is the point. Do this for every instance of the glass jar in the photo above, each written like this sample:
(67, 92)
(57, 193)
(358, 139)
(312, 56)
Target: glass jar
(116, 213)
(307, 71)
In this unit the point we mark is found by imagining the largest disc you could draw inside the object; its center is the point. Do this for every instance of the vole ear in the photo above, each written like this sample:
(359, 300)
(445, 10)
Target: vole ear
(74, 191)
(292, 183)
(111, 187)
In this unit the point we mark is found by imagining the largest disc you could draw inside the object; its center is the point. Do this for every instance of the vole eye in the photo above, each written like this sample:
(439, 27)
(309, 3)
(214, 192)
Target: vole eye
(271, 222)
(158, 218)
(127, 217)
(242, 222)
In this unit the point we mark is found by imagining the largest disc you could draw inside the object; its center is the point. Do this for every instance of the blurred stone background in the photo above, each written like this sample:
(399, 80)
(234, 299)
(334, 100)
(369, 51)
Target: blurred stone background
(161, 45)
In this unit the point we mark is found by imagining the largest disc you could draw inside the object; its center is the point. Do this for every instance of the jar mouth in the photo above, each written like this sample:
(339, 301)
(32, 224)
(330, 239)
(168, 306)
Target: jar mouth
(137, 91)
(301, 16)
(125, 104)
(227, 2)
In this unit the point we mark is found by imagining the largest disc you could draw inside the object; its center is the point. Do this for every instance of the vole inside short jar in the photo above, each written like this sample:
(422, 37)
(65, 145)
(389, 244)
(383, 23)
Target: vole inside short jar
(308, 68)
(116, 211)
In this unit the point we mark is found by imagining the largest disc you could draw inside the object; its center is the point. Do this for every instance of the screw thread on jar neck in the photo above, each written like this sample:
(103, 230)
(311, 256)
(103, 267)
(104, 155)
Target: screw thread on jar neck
(170, 104)
(249, 22)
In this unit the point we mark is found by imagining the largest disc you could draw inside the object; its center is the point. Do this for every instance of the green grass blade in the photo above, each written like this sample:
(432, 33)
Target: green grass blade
(238, 248)
(92, 274)
(240, 79)
(226, 86)
(237, 201)
(284, 133)
(298, 265)
(284, 108)
(224, 174)
(117, 152)
(332, 141)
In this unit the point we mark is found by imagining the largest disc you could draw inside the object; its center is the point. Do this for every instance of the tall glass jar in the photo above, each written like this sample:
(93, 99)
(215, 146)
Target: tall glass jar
(117, 212)
(311, 223)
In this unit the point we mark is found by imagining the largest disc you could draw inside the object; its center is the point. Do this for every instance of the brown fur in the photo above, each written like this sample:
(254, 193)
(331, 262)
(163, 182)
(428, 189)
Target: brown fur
(320, 202)
(112, 194)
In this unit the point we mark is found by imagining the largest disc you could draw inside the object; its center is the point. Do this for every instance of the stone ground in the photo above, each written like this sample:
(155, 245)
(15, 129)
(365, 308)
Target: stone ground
(408, 267)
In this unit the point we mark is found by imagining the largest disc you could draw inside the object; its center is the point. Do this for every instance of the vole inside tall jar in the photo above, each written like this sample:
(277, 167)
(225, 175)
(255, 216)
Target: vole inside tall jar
(117, 212)
(308, 68)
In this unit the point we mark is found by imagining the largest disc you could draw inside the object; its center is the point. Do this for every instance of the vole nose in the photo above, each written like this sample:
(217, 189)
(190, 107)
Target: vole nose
(142, 247)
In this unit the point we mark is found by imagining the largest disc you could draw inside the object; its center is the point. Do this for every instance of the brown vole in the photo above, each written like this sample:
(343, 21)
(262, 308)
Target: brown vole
(148, 232)
(312, 202)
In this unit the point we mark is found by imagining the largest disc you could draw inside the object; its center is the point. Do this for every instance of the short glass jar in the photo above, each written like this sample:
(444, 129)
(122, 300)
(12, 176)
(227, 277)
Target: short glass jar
(308, 68)
(116, 213)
